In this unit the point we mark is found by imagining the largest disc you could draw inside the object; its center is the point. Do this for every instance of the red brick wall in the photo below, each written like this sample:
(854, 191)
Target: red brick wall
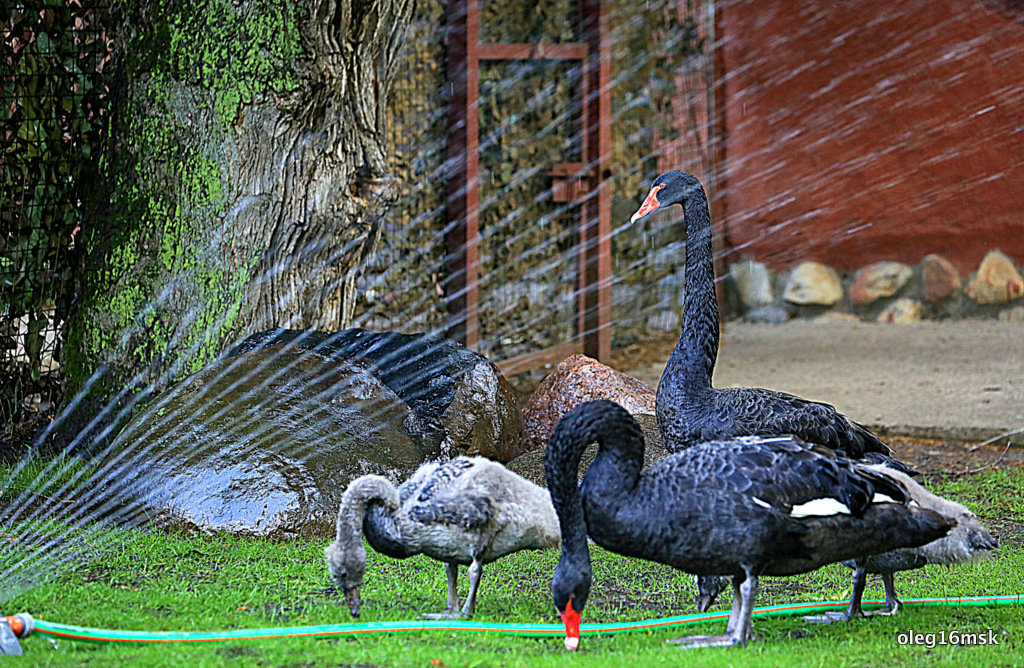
(874, 129)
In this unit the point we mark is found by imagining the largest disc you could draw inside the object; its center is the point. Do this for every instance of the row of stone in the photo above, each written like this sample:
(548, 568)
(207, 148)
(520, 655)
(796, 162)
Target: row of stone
(812, 284)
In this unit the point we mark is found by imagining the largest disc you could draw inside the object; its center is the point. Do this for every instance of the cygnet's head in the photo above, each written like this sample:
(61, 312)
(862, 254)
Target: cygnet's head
(347, 565)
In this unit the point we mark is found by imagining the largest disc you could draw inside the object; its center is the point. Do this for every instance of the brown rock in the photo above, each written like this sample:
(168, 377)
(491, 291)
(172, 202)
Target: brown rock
(578, 379)
(813, 283)
(530, 465)
(902, 312)
(939, 279)
(882, 279)
(997, 280)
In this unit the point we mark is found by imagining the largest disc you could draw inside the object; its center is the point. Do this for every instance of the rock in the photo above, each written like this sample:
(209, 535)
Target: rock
(901, 312)
(882, 279)
(264, 440)
(753, 282)
(768, 315)
(939, 279)
(430, 374)
(665, 320)
(483, 418)
(530, 464)
(227, 449)
(813, 283)
(1015, 314)
(997, 280)
(578, 379)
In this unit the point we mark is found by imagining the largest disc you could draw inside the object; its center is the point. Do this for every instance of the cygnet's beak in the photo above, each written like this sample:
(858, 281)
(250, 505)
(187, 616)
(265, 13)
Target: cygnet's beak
(704, 601)
(352, 599)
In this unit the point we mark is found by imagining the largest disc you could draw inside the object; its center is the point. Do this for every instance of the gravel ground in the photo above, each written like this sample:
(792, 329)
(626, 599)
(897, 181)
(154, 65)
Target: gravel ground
(960, 380)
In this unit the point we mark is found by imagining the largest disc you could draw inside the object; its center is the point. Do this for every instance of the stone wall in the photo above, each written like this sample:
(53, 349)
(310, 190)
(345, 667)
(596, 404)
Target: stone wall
(885, 292)
(528, 115)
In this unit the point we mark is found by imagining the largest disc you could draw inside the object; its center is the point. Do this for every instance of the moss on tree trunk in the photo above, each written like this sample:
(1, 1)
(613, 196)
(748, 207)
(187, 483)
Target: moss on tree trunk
(243, 183)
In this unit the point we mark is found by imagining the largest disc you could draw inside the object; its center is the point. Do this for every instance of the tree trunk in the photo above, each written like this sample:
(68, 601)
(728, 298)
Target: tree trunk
(244, 179)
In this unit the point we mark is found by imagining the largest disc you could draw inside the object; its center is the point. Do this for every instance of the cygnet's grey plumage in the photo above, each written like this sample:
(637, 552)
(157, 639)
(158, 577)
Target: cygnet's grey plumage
(967, 541)
(468, 510)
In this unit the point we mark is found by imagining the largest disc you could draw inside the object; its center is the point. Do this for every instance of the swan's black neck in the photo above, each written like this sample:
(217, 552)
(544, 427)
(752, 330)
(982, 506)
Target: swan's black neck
(383, 534)
(611, 477)
(692, 363)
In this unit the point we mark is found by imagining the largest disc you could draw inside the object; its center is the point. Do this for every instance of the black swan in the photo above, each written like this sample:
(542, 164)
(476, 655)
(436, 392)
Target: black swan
(967, 541)
(746, 507)
(689, 409)
(468, 510)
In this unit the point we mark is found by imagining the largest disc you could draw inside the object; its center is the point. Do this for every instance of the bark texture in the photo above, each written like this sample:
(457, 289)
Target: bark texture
(245, 180)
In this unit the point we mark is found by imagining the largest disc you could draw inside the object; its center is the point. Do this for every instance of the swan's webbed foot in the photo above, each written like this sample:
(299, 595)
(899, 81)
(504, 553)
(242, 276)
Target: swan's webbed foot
(891, 608)
(860, 577)
(694, 642)
(832, 616)
(737, 632)
(451, 610)
(447, 613)
(892, 602)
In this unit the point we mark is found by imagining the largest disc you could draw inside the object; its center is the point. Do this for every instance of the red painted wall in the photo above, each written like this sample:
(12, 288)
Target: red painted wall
(863, 130)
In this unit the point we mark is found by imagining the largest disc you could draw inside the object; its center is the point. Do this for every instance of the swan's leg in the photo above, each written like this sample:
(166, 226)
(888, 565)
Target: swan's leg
(860, 576)
(476, 569)
(451, 611)
(734, 615)
(892, 604)
(748, 590)
(738, 629)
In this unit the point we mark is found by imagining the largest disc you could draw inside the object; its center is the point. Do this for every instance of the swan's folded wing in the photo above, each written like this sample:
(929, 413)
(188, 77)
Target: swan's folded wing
(442, 477)
(465, 510)
(784, 473)
(760, 411)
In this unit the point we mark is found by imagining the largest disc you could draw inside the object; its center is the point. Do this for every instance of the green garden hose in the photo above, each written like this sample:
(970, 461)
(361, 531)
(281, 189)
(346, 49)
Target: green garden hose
(106, 635)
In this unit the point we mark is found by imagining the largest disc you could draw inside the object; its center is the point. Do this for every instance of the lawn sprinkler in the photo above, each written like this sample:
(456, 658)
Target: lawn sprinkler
(13, 627)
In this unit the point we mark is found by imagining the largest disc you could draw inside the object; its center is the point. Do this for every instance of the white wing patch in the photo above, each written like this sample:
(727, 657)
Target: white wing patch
(760, 502)
(882, 498)
(820, 508)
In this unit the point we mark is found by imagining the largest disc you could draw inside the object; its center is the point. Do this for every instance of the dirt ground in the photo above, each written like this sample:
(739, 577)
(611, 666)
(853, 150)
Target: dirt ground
(959, 380)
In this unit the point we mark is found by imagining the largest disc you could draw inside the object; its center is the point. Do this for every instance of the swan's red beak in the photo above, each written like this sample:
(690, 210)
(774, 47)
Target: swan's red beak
(571, 619)
(650, 204)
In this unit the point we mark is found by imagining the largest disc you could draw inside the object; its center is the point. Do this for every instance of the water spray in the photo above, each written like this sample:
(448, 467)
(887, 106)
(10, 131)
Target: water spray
(23, 624)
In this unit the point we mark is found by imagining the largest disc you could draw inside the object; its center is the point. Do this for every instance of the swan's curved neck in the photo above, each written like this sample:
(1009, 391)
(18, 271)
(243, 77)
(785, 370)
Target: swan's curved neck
(359, 495)
(611, 477)
(692, 363)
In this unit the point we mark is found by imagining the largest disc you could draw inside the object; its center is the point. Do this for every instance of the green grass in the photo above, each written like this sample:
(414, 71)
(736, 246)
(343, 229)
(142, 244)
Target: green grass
(168, 582)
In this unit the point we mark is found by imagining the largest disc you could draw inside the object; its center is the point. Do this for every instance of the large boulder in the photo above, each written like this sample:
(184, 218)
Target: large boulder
(578, 379)
(460, 402)
(265, 440)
